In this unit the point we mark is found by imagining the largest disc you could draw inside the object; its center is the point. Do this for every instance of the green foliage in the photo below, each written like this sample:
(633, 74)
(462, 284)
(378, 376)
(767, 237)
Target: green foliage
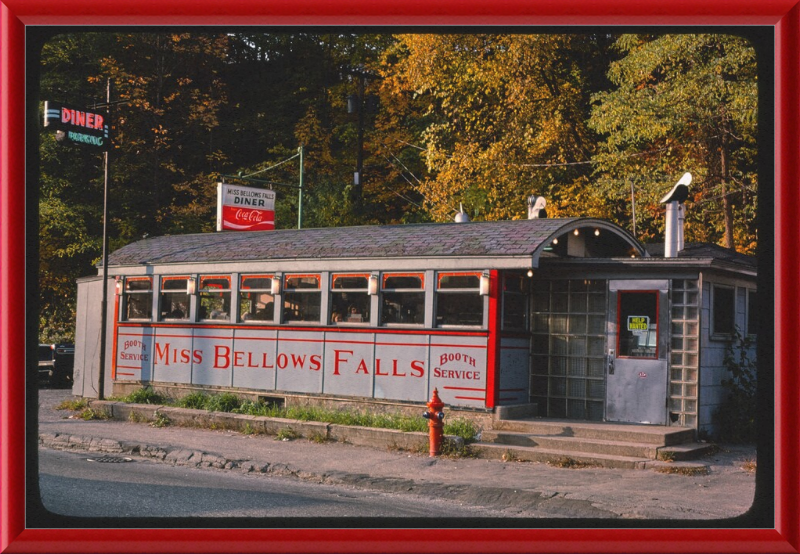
(482, 120)
(161, 420)
(145, 395)
(736, 416)
(196, 401)
(286, 434)
(681, 103)
(225, 402)
(73, 405)
(88, 414)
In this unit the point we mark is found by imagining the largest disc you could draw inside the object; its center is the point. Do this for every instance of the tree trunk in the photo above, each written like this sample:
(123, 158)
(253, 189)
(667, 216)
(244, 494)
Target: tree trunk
(727, 207)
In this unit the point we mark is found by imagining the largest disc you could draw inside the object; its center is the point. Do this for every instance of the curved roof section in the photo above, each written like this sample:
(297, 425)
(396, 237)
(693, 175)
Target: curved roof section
(499, 239)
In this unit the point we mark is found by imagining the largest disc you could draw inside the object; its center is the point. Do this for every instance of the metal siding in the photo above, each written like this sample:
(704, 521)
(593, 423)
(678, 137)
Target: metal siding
(459, 369)
(294, 361)
(134, 355)
(409, 352)
(259, 351)
(173, 353)
(514, 370)
(216, 366)
(349, 363)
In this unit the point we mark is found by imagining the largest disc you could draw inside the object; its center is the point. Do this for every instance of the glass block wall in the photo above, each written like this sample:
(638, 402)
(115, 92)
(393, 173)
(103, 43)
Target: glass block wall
(568, 323)
(684, 359)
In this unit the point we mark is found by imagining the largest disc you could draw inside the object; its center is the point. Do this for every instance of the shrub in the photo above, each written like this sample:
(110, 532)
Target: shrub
(145, 395)
(195, 401)
(225, 402)
(736, 416)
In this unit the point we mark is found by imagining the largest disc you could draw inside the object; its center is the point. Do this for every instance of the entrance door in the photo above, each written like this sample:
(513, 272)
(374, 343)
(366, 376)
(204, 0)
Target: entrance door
(636, 361)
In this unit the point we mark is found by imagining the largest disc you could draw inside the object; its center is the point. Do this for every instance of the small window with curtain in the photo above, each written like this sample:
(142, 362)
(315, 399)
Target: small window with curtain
(174, 300)
(403, 299)
(301, 298)
(256, 302)
(138, 298)
(215, 298)
(458, 300)
(350, 300)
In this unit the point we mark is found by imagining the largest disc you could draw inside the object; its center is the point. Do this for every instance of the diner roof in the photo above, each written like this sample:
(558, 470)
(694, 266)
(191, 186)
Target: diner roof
(526, 239)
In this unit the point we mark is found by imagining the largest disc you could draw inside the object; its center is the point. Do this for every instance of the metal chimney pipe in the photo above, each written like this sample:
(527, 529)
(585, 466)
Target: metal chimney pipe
(673, 241)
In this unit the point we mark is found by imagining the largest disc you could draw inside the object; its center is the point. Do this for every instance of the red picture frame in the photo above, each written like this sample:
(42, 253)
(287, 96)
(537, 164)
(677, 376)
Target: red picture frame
(781, 15)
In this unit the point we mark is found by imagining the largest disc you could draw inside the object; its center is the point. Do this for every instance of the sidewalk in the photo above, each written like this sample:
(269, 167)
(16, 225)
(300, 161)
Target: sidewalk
(519, 489)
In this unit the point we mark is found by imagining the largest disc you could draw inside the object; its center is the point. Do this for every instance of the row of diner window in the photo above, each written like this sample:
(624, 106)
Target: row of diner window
(459, 298)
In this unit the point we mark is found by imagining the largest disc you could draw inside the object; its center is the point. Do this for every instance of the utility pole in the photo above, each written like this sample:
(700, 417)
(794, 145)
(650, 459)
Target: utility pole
(104, 301)
(301, 151)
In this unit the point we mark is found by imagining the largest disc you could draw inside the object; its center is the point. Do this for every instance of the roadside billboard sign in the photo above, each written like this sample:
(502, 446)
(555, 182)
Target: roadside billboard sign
(245, 208)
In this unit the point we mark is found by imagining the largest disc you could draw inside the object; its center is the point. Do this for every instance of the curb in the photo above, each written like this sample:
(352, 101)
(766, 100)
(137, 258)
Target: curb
(260, 425)
(498, 498)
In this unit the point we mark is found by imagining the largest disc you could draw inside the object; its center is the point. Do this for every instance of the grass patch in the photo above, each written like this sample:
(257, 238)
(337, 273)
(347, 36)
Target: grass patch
(567, 462)
(194, 401)
(319, 438)
(689, 471)
(230, 403)
(89, 414)
(136, 417)
(161, 420)
(145, 395)
(287, 434)
(73, 405)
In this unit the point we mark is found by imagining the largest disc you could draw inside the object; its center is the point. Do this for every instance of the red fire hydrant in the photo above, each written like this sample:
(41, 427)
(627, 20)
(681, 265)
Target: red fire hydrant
(435, 417)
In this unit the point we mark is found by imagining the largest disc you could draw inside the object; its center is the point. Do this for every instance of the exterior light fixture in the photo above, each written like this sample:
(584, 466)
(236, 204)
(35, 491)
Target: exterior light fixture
(597, 232)
(555, 241)
(276, 286)
(119, 285)
(191, 285)
(372, 285)
(530, 272)
(576, 232)
(484, 286)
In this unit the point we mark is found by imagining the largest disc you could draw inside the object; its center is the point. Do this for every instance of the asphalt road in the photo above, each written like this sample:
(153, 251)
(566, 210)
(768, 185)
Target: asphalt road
(72, 485)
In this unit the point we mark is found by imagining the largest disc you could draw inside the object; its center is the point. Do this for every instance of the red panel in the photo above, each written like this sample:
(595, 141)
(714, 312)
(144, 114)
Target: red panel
(493, 355)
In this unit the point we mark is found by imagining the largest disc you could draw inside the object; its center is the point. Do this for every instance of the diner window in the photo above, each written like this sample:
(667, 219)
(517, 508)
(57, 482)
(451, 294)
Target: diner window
(301, 298)
(138, 298)
(174, 301)
(752, 312)
(350, 300)
(723, 310)
(256, 302)
(215, 297)
(458, 299)
(403, 299)
(515, 302)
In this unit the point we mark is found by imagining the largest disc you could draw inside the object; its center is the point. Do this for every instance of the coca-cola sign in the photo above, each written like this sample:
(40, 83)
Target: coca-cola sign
(245, 208)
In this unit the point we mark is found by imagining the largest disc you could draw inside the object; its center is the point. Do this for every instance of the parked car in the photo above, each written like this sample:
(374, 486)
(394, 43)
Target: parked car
(56, 363)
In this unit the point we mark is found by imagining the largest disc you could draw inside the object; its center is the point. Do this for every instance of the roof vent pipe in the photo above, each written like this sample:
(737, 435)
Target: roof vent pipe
(461, 217)
(536, 206)
(673, 242)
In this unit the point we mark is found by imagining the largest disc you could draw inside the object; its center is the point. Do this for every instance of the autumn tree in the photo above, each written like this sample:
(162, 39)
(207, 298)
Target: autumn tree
(504, 117)
(682, 103)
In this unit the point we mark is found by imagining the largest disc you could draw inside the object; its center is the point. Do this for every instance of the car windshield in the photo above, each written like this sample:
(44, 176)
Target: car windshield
(45, 353)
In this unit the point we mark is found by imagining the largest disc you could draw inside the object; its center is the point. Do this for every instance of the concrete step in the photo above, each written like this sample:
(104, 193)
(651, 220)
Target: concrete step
(570, 445)
(558, 458)
(645, 434)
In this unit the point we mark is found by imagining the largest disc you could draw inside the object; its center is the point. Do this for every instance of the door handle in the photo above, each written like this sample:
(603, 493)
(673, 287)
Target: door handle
(610, 364)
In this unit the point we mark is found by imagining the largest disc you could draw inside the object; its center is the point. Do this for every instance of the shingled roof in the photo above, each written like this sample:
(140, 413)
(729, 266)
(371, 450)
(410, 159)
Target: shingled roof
(474, 239)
